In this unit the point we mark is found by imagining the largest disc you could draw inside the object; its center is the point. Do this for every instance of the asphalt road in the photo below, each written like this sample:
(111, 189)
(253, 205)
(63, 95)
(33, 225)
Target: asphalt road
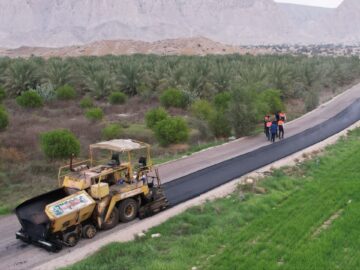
(186, 178)
(194, 184)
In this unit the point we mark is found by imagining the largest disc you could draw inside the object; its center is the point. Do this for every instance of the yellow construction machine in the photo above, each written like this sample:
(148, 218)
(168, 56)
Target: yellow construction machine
(94, 194)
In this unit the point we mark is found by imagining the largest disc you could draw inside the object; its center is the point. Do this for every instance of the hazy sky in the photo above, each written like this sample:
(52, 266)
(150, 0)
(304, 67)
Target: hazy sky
(319, 3)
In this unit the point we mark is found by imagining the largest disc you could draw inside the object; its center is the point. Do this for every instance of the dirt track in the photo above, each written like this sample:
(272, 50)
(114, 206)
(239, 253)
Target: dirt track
(16, 255)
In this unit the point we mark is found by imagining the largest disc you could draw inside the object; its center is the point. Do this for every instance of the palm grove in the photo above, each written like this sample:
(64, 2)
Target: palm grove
(222, 95)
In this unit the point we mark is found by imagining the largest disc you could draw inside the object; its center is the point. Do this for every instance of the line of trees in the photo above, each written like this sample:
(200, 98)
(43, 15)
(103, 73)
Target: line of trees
(199, 77)
(249, 81)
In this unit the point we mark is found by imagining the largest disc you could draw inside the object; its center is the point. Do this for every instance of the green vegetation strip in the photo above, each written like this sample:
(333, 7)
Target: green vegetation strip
(308, 219)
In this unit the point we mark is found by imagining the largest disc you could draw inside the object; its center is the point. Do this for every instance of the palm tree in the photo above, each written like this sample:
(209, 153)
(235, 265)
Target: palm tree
(243, 110)
(4, 63)
(176, 76)
(58, 72)
(129, 76)
(255, 74)
(194, 83)
(155, 75)
(221, 77)
(96, 77)
(279, 77)
(197, 78)
(20, 76)
(101, 84)
(308, 74)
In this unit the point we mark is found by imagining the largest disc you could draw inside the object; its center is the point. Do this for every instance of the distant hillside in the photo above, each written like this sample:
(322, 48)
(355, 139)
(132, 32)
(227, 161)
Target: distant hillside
(184, 46)
(55, 23)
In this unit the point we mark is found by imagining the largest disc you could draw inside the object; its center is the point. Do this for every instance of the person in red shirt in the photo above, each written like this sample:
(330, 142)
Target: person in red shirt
(281, 129)
(282, 116)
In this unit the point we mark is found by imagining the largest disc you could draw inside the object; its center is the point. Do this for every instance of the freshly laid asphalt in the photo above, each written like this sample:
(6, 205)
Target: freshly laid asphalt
(194, 184)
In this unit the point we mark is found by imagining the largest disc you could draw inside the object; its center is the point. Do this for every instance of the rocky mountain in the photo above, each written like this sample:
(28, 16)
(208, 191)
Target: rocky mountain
(55, 23)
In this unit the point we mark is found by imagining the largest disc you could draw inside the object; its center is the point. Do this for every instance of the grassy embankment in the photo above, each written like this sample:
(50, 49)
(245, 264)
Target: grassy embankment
(308, 219)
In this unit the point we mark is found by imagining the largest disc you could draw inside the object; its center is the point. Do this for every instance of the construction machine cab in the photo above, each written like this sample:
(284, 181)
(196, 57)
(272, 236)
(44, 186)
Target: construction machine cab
(110, 162)
(115, 159)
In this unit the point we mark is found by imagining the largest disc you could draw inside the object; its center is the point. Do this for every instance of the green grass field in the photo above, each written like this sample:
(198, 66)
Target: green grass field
(309, 218)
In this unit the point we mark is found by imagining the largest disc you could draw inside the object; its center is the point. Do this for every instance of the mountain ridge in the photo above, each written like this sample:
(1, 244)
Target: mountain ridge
(56, 23)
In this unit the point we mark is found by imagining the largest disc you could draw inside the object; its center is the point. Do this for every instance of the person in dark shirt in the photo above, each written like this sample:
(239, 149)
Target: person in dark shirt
(273, 130)
(267, 124)
(277, 116)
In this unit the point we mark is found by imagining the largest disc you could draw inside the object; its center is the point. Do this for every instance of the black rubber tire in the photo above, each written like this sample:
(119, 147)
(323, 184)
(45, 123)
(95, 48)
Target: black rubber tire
(71, 239)
(128, 210)
(88, 231)
(56, 247)
(113, 220)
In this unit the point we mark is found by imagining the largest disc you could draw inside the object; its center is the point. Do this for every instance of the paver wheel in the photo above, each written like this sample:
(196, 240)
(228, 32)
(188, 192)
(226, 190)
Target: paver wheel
(71, 239)
(128, 210)
(88, 231)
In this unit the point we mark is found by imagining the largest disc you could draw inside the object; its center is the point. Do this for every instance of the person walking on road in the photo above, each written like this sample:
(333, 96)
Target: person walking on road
(281, 129)
(282, 116)
(273, 129)
(277, 116)
(268, 133)
(267, 124)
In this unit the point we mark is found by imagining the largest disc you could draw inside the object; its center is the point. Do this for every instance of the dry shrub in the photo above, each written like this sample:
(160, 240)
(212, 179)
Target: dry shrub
(316, 152)
(245, 187)
(11, 154)
(296, 171)
(250, 186)
(178, 148)
(305, 156)
(195, 136)
(135, 108)
(259, 190)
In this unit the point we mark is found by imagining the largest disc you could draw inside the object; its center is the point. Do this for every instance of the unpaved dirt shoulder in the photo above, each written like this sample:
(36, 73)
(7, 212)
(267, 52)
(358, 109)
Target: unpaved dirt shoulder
(129, 233)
